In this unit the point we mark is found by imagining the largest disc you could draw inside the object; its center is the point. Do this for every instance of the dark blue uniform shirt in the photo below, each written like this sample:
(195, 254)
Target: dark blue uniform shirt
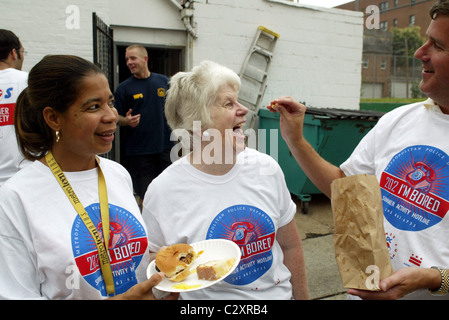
(147, 98)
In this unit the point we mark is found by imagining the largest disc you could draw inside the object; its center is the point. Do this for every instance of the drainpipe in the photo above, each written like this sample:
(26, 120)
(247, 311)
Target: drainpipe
(186, 16)
(176, 3)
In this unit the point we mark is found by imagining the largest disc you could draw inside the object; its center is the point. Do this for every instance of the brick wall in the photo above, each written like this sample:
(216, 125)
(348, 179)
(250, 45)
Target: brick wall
(400, 12)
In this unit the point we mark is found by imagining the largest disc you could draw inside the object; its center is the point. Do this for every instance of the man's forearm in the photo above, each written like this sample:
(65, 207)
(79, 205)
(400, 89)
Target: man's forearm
(317, 169)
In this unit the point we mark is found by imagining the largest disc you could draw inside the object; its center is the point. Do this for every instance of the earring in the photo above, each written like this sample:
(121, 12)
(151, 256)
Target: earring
(58, 136)
(206, 134)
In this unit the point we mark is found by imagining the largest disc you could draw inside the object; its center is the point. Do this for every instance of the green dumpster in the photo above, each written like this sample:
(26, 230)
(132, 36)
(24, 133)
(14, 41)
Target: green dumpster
(334, 133)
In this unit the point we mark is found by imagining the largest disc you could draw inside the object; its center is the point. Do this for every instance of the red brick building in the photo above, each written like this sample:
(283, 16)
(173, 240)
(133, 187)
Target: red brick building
(396, 13)
(384, 75)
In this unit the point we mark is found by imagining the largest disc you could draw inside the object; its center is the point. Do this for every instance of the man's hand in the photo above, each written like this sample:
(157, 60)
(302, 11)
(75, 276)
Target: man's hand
(129, 119)
(401, 283)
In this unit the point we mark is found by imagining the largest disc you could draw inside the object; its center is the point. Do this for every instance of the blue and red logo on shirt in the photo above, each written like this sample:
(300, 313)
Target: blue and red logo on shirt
(6, 108)
(414, 188)
(127, 245)
(254, 232)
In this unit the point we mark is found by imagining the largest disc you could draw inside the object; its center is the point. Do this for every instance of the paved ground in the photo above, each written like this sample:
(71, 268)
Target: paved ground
(316, 229)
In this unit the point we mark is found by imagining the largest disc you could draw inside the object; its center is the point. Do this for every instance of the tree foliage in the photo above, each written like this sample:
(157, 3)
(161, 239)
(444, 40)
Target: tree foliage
(406, 40)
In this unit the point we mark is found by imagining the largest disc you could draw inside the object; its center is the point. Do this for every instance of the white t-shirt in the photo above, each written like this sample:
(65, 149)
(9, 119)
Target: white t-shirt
(12, 82)
(46, 252)
(247, 205)
(408, 151)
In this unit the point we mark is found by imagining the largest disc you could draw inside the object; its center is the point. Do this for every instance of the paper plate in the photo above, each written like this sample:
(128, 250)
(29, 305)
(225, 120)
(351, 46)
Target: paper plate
(214, 249)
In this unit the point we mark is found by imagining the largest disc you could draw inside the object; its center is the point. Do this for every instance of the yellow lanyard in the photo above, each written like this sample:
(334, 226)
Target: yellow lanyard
(104, 210)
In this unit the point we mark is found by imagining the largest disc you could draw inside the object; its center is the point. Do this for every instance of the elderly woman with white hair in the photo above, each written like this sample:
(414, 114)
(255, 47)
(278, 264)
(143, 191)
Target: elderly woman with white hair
(223, 190)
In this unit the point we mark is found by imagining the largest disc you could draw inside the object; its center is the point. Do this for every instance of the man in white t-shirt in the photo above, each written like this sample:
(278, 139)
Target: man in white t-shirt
(12, 82)
(408, 151)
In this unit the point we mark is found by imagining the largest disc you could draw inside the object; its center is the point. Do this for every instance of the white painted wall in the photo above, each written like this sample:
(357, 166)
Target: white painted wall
(371, 90)
(399, 88)
(42, 26)
(317, 59)
(154, 22)
(151, 14)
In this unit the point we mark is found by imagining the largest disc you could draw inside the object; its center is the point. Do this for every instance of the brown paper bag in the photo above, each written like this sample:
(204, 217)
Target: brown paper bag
(359, 238)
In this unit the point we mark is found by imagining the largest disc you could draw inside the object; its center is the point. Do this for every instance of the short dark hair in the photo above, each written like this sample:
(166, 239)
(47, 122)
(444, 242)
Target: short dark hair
(8, 41)
(54, 82)
(441, 7)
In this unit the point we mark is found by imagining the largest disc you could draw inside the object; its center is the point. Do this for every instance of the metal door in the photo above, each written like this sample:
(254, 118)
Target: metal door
(103, 49)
